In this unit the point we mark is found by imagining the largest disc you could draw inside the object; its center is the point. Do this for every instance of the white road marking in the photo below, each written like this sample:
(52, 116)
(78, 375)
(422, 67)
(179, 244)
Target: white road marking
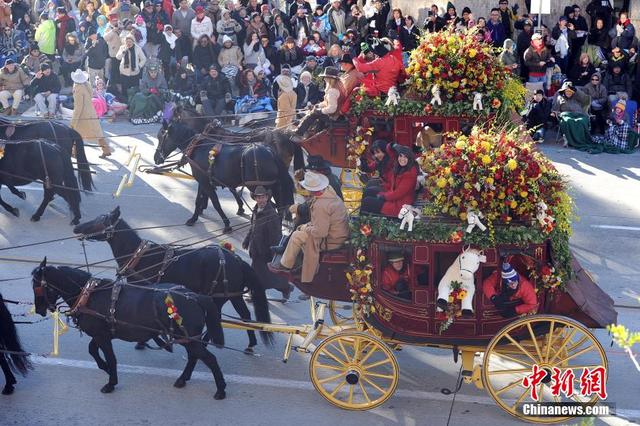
(277, 383)
(624, 228)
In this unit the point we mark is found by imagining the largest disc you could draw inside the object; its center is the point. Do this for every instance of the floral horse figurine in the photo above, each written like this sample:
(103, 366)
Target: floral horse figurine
(477, 101)
(408, 214)
(462, 271)
(435, 92)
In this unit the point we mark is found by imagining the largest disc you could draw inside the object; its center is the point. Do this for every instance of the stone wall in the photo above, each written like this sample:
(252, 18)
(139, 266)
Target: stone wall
(419, 8)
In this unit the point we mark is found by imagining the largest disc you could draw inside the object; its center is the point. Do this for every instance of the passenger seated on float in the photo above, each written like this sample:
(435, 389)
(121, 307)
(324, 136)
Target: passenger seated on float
(401, 188)
(512, 294)
(379, 168)
(328, 228)
(395, 277)
(387, 68)
(328, 109)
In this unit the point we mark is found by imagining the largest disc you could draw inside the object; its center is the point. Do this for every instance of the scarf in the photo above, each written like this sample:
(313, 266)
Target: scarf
(171, 39)
(130, 58)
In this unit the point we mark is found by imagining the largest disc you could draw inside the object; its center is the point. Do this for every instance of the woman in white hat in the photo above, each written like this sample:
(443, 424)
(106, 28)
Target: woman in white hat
(85, 120)
(287, 98)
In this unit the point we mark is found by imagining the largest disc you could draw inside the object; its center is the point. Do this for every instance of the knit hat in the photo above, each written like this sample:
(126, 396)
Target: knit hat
(45, 66)
(226, 39)
(405, 150)
(466, 10)
(199, 9)
(380, 145)
(10, 61)
(536, 36)
(450, 6)
(621, 104)
(508, 273)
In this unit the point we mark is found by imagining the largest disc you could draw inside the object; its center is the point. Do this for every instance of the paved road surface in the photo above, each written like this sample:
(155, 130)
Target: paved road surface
(262, 390)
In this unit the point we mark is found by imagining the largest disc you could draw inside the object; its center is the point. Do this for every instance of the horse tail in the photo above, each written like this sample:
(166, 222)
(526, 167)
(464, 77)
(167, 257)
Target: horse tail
(260, 302)
(18, 362)
(84, 171)
(215, 333)
(69, 180)
(287, 187)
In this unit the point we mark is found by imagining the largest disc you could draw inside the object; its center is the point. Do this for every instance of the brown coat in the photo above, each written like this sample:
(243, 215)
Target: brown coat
(286, 108)
(16, 80)
(85, 120)
(5, 15)
(350, 80)
(328, 230)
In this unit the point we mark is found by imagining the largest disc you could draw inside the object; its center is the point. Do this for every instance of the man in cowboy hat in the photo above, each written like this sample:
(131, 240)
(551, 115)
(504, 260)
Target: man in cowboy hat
(395, 277)
(350, 79)
(328, 109)
(327, 230)
(265, 231)
(512, 294)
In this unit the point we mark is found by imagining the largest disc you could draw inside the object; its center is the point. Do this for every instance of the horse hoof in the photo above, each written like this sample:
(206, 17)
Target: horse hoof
(227, 229)
(75, 221)
(140, 346)
(190, 222)
(180, 383)
(240, 212)
(108, 388)
(35, 218)
(220, 395)
(15, 212)
(22, 195)
(8, 390)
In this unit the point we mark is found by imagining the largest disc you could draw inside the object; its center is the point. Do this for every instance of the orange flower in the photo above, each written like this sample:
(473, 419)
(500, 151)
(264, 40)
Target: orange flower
(365, 230)
(496, 103)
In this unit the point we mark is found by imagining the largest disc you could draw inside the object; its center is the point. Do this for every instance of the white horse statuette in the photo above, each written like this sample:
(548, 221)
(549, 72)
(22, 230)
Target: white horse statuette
(477, 101)
(462, 270)
(408, 214)
(435, 92)
(473, 220)
(392, 96)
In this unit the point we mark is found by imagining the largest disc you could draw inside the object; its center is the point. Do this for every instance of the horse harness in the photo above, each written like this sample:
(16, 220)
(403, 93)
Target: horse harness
(134, 260)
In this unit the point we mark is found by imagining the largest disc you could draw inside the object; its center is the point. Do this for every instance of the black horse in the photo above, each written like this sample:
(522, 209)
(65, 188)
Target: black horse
(59, 133)
(209, 270)
(141, 313)
(232, 166)
(28, 161)
(15, 360)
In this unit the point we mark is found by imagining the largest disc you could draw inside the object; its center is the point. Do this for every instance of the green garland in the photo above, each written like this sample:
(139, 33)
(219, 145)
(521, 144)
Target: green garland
(413, 107)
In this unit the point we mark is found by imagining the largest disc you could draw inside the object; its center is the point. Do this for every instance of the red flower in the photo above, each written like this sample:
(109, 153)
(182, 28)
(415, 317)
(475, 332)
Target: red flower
(365, 230)
(456, 236)
(228, 246)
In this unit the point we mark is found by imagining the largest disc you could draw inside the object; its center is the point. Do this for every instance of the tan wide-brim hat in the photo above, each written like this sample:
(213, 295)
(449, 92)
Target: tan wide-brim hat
(79, 76)
(314, 181)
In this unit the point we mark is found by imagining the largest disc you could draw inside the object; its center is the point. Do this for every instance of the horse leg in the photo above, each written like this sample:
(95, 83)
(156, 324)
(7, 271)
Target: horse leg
(8, 207)
(241, 308)
(10, 379)
(216, 205)
(235, 194)
(20, 194)
(74, 204)
(93, 351)
(46, 199)
(112, 365)
(210, 361)
(200, 205)
(188, 369)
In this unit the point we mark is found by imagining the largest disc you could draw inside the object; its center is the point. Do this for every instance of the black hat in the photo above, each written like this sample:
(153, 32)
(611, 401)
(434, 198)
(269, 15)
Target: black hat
(316, 163)
(61, 9)
(404, 150)
(346, 59)
(466, 10)
(379, 144)
(540, 92)
(330, 72)
(9, 61)
(378, 47)
(395, 256)
(213, 67)
(45, 66)
(34, 46)
(260, 190)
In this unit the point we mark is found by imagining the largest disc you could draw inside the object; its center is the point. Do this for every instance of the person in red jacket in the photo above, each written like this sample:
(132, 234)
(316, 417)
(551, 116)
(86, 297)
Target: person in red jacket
(387, 70)
(401, 188)
(379, 166)
(395, 277)
(504, 293)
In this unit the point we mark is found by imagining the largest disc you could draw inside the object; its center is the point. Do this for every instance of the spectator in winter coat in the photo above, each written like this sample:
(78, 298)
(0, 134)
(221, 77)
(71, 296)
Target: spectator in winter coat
(72, 57)
(412, 34)
(46, 87)
(217, 89)
(625, 32)
(537, 115)
(358, 22)
(337, 21)
(618, 84)
(536, 58)
(600, 9)
(97, 55)
(166, 54)
(510, 292)
(18, 9)
(599, 36)
(378, 21)
(13, 81)
(64, 25)
(618, 57)
(279, 32)
(230, 58)
(270, 54)
(507, 17)
(291, 55)
(387, 67)
(508, 56)
(564, 36)
(307, 91)
(400, 190)
(581, 73)
(183, 83)
(434, 23)
(252, 51)
(522, 44)
(251, 86)
(182, 17)
(205, 54)
(131, 59)
(46, 36)
(256, 26)
(33, 60)
(299, 4)
(599, 101)
(228, 26)
(496, 28)
(201, 25)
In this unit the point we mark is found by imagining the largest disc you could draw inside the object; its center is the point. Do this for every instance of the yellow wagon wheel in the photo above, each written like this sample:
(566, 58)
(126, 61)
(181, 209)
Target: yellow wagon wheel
(348, 319)
(550, 341)
(354, 371)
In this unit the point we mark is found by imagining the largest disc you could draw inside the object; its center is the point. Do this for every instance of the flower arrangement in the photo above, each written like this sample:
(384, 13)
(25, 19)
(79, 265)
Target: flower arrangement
(549, 277)
(172, 310)
(213, 153)
(227, 245)
(497, 174)
(358, 143)
(359, 279)
(454, 307)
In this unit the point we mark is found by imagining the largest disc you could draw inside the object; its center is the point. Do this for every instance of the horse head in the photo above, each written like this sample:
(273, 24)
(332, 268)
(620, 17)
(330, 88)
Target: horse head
(469, 261)
(101, 228)
(45, 295)
(172, 135)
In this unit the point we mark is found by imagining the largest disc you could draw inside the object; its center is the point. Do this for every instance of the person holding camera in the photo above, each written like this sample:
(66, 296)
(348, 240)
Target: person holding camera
(536, 58)
(563, 36)
(510, 292)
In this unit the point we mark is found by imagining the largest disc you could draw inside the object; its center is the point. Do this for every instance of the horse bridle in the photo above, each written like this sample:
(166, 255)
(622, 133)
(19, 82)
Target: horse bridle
(107, 230)
(42, 290)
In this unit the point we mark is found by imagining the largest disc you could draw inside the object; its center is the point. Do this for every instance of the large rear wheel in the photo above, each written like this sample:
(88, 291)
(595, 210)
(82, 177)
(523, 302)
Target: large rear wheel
(354, 371)
(550, 342)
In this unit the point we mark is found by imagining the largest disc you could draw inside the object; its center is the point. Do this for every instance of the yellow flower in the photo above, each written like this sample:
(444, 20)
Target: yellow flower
(514, 204)
(524, 194)
(473, 53)
(362, 258)
(486, 159)
(474, 203)
(456, 200)
(501, 195)
(441, 183)
(489, 180)
(485, 145)
(463, 216)
(512, 164)
(460, 144)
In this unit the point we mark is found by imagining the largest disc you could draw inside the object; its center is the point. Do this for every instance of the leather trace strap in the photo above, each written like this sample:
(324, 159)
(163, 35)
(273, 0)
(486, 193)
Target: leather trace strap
(83, 299)
(169, 255)
(115, 294)
(130, 266)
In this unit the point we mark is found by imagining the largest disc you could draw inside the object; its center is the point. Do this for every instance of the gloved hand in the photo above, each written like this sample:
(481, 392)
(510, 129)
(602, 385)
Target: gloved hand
(498, 299)
(293, 209)
(380, 197)
(509, 312)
